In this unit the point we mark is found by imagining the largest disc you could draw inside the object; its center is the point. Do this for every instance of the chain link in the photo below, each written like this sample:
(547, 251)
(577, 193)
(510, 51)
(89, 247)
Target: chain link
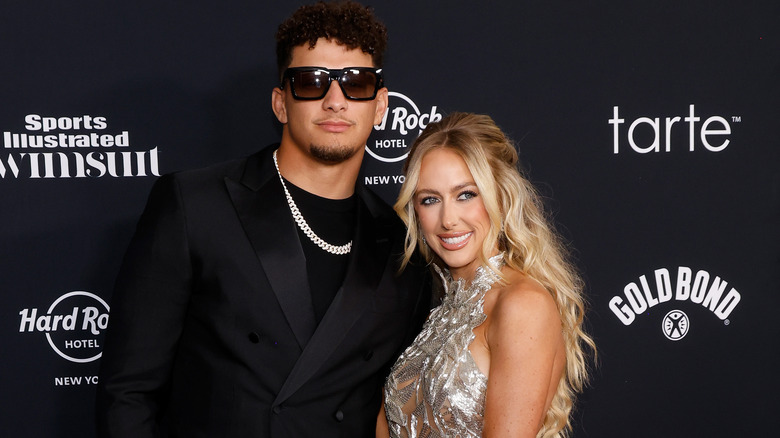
(304, 226)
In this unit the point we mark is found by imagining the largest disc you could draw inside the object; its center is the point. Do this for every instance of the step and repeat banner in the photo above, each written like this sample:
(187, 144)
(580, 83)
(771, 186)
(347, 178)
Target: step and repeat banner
(650, 127)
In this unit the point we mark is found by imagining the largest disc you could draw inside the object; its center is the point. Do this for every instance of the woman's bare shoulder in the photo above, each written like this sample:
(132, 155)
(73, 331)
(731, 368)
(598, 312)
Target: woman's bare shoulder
(522, 302)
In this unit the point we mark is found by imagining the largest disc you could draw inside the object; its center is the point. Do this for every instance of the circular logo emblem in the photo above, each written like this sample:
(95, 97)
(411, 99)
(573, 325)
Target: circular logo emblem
(675, 325)
(402, 123)
(74, 326)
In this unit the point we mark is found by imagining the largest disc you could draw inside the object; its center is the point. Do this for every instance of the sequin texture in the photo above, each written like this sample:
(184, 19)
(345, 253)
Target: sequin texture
(435, 388)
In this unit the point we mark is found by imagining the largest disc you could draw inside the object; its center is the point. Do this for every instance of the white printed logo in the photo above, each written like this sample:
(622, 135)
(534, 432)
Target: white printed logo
(72, 147)
(675, 325)
(684, 285)
(712, 133)
(696, 287)
(73, 325)
(402, 123)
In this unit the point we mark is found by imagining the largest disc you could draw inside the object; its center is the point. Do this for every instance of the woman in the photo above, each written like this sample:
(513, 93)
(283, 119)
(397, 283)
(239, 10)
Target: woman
(503, 355)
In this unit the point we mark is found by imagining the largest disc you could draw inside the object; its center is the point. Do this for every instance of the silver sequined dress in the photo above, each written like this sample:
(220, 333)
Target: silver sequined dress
(435, 388)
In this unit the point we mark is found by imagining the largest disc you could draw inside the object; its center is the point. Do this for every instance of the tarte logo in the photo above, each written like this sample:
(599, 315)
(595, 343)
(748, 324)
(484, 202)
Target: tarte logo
(656, 134)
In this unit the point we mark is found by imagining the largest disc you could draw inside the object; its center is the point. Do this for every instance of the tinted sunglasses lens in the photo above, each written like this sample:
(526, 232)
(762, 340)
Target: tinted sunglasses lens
(359, 84)
(310, 84)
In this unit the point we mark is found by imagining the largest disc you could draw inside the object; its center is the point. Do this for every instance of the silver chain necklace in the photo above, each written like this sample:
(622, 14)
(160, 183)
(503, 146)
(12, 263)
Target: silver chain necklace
(333, 249)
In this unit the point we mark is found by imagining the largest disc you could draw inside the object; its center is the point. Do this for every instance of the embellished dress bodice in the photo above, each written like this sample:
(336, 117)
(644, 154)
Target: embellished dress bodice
(435, 389)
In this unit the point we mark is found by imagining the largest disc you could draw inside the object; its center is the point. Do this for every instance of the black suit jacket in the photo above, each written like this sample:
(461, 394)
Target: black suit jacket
(212, 330)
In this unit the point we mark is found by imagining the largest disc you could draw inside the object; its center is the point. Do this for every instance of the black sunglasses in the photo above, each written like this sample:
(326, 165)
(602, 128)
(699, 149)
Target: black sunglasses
(312, 83)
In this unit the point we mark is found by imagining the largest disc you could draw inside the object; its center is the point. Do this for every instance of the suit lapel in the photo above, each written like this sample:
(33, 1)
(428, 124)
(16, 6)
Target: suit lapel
(266, 219)
(367, 261)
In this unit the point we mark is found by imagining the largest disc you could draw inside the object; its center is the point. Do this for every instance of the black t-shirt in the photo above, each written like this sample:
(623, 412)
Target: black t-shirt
(333, 220)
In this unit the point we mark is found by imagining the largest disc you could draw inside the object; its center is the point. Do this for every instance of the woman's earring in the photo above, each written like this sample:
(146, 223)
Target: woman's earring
(425, 242)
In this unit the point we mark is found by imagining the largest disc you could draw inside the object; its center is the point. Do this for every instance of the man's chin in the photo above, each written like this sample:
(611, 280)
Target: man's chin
(332, 154)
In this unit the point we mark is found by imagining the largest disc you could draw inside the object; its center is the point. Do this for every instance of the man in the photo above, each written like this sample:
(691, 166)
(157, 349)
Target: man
(261, 297)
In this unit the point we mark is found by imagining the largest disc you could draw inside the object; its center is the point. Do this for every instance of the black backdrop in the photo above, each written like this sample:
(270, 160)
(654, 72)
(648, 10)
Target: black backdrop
(676, 233)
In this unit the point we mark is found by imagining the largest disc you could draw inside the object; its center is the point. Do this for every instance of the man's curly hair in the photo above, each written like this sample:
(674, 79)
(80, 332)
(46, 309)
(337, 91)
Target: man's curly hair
(346, 22)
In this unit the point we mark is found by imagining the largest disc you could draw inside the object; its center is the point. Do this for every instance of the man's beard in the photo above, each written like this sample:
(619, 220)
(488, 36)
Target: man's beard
(332, 154)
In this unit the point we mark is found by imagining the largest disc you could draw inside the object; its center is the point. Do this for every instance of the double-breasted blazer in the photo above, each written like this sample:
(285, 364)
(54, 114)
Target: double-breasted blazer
(212, 331)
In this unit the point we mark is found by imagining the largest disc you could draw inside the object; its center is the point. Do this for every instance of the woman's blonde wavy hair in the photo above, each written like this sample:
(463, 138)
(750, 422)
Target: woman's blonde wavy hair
(522, 230)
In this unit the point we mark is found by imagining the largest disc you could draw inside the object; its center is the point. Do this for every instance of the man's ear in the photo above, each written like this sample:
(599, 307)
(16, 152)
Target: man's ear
(278, 105)
(381, 105)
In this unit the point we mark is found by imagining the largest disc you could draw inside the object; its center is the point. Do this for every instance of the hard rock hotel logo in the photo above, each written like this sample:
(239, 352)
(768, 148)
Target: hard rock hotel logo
(73, 325)
(72, 147)
(403, 122)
